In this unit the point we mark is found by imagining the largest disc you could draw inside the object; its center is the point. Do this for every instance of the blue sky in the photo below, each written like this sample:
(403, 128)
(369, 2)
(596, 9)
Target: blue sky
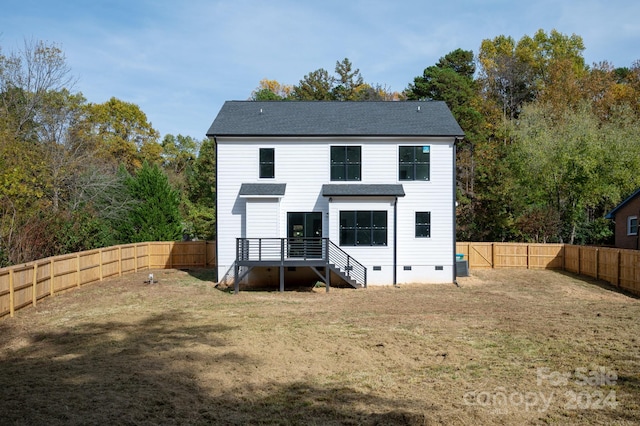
(180, 60)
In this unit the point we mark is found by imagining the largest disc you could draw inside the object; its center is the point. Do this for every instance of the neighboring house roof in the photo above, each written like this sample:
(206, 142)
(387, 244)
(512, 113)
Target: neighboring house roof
(320, 118)
(612, 213)
(362, 190)
(262, 189)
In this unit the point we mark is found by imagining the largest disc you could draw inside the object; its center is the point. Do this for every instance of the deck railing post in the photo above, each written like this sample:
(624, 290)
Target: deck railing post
(282, 241)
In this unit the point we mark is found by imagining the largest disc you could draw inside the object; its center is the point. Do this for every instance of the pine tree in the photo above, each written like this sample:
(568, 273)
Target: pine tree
(156, 215)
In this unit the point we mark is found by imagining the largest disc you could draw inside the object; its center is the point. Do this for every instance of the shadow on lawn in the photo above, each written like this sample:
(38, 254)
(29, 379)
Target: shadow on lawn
(605, 285)
(153, 372)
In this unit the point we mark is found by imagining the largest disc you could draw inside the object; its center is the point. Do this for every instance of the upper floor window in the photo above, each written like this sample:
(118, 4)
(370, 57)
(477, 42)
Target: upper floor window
(346, 163)
(363, 228)
(423, 224)
(267, 163)
(632, 225)
(413, 163)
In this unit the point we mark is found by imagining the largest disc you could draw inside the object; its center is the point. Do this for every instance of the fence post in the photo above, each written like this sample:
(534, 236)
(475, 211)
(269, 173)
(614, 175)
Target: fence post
(101, 266)
(51, 276)
(493, 256)
(35, 284)
(528, 254)
(119, 261)
(579, 259)
(618, 268)
(78, 269)
(11, 293)
(597, 264)
(135, 257)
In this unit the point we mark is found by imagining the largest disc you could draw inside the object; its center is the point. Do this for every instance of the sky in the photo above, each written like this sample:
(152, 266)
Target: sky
(179, 60)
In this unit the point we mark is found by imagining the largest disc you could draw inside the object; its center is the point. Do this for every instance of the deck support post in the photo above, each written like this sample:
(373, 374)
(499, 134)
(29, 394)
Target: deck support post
(236, 281)
(282, 265)
(327, 276)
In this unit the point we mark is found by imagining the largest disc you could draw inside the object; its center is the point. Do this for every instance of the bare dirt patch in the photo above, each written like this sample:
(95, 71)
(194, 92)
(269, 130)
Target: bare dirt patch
(508, 347)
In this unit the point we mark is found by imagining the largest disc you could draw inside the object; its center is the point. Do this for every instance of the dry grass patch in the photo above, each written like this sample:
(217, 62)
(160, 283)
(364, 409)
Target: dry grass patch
(509, 347)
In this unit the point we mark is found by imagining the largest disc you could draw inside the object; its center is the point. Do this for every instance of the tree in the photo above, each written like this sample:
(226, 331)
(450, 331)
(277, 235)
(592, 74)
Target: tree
(315, 86)
(513, 74)
(348, 81)
(25, 79)
(178, 152)
(507, 77)
(201, 200)
(156, 215)
(572, 165)
(271, 90)
(124, 133)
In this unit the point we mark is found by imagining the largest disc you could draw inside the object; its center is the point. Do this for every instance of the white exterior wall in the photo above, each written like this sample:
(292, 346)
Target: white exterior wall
(423, 255)
(303, 164)
(369, 256)
(262, 218)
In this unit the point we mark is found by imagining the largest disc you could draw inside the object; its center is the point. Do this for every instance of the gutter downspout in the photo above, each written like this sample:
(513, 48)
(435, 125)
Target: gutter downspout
(455, 185)
(395, 241)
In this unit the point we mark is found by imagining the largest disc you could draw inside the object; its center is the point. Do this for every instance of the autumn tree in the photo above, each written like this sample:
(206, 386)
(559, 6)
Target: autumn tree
(271, 90)
(315, 86)
(513, 73)
(124, 133)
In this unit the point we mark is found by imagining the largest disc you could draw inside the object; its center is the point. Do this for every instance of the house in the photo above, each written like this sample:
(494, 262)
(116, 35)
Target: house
(335, 192)
(625, 217)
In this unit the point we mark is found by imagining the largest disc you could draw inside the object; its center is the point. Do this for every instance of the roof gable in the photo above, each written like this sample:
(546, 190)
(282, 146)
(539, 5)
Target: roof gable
(612, 213)
(318, 118)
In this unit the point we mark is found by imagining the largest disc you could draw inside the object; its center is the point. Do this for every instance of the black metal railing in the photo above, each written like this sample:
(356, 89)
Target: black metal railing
(300, 249)
(346, 263)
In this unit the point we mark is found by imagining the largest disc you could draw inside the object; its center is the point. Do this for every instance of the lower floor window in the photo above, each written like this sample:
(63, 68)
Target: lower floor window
(423, 224)
(363, 228)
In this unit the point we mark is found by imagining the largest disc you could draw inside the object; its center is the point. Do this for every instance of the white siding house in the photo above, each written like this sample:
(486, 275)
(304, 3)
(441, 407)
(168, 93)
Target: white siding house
(351, 192)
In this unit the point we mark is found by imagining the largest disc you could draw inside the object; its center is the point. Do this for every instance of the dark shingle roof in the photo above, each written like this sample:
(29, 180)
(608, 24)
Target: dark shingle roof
(362, 190)
(317, 118)
(262, 189)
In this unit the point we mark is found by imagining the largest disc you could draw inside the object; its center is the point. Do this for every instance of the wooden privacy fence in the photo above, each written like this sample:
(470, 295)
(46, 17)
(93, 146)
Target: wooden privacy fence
(512, 255)
(23, 285)
(619, 267)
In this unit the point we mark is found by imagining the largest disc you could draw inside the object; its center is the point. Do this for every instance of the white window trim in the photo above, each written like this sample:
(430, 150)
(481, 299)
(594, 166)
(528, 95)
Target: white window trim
(629, 219)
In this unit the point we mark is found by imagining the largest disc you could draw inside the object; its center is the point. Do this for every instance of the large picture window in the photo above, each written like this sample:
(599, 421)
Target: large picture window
(632, 225)
(363, 228)
(346, 163)
(267, 163)
(423, 224)
(413, 163)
